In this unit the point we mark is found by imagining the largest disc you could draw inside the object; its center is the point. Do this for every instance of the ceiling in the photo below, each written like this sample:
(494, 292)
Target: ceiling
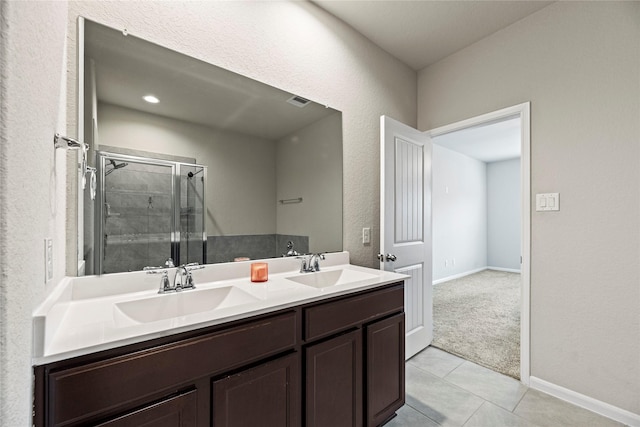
(491, 142)
(422, 32)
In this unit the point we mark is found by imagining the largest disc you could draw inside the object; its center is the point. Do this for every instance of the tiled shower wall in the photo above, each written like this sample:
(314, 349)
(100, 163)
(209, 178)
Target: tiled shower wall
(138, 209)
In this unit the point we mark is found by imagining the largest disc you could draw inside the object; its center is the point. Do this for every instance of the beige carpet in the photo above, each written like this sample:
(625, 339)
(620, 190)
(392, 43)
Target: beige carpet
(477, 317)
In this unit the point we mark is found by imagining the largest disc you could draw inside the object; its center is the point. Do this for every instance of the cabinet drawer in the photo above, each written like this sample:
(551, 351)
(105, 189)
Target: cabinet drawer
(85, 391)
(333, 316)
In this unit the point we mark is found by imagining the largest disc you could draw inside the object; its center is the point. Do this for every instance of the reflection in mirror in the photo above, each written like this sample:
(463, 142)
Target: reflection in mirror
(264, 165)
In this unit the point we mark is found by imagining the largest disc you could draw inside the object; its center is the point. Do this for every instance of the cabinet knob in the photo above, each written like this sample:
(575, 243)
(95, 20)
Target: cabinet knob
(380, 257)
(391, 257)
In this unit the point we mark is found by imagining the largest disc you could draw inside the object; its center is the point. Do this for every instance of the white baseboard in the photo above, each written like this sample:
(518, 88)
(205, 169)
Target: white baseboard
(508, 270)
(586, 402)
(459, 275)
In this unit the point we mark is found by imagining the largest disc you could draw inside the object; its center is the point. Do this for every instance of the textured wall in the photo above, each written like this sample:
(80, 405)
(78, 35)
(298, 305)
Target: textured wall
(579, 65)
(459, 212)
(33, 193)
(299, 48)
(503, 214)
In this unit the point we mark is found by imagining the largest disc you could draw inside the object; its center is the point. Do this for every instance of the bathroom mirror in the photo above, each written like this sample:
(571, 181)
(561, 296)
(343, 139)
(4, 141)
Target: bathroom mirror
(261, 167)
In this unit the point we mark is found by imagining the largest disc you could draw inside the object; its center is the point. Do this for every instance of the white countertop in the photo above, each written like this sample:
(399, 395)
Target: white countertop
(80, 316)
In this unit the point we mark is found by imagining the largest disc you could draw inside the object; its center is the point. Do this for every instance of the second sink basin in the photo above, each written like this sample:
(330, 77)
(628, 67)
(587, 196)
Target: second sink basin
(183, 303)
(325, 279)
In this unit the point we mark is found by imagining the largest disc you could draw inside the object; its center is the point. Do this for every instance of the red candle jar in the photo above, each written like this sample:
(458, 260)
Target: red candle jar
(259, 272)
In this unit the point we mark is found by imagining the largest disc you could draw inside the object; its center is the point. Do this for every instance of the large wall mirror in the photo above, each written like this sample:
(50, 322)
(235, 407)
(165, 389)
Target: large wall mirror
(216, 168)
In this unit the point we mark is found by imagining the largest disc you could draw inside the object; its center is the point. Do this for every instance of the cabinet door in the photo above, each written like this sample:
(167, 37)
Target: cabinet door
(334, 382)
(177, 411)
(385, 368)
(267, 395)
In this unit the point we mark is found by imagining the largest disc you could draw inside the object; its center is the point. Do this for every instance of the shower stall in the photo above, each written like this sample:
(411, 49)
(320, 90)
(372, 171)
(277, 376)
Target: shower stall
(148, 210)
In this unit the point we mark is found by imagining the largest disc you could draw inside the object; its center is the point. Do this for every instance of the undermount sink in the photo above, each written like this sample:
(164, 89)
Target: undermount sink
(183, 303)
(325, 279)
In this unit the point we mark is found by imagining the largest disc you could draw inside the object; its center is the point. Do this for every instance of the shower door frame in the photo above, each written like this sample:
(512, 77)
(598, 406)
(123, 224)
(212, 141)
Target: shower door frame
(175, 233)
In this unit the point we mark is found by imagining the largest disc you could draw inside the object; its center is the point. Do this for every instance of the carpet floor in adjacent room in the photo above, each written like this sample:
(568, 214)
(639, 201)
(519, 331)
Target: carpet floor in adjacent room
(477, 317)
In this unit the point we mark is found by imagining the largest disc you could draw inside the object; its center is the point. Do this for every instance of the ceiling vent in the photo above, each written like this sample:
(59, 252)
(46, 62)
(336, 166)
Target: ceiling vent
(298, 101)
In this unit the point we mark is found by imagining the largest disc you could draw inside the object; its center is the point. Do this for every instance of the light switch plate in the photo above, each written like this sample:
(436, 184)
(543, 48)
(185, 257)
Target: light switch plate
(547, 202)
(366, 235)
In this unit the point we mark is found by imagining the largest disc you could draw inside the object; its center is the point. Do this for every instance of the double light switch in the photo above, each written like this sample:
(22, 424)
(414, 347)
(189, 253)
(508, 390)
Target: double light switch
(548, 202)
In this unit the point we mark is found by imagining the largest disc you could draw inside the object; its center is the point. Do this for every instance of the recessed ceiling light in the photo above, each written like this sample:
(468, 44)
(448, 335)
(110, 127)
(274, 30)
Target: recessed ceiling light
(151, 99)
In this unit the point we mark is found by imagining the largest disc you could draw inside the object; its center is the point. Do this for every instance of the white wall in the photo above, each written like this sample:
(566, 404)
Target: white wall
(459, 216)
(503, 214)
(578, 63)
(237, 165)
(32, 183)
(309, 165)
(291, 45)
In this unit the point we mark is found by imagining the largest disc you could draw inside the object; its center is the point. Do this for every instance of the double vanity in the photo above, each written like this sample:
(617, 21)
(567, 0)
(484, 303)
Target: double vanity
(321, 348)
(312, 348)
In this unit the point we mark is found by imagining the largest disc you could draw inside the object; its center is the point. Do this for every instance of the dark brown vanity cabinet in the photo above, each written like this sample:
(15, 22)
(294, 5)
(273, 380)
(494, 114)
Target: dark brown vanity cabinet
(334, 381)
(384, 374)
(354, 359)
(267, 395)
(117, 386)
(335, 362)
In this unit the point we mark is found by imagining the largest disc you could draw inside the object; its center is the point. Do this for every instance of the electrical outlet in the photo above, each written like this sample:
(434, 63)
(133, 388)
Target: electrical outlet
(366, 235)
(48, 260)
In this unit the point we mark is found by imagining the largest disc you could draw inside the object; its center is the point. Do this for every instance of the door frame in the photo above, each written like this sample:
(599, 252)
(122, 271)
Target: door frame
(524, 112)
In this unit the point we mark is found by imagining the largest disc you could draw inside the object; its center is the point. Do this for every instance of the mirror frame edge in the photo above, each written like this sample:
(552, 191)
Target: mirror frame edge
(81, 135)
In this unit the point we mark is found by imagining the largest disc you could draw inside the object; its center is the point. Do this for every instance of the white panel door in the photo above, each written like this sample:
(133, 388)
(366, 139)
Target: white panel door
(405, 221)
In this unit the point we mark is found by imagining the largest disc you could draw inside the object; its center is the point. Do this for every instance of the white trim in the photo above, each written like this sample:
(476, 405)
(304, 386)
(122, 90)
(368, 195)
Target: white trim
(586, 402)
(525, 244)
(459, 275)
(524, 112)
(508, 270)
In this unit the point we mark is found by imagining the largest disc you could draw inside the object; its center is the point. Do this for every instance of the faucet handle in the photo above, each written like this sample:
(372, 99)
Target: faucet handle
(303, 263)
(165, 284)
(156, 270)
(194, 266)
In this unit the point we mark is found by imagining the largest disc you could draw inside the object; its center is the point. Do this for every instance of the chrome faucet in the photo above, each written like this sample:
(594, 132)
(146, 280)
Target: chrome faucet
(182, 279)
(311, 264)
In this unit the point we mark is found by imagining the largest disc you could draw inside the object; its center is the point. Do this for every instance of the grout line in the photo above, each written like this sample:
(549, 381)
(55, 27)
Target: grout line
(520, 401)
(454, 369)
(474, 412)
(423, 414)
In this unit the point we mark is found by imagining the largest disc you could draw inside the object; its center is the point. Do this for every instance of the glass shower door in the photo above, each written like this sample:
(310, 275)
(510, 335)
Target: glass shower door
(137, 213)
(192, 179)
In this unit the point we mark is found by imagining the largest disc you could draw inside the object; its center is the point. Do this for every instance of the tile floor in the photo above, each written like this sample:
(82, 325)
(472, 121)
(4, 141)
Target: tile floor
(445, 390)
